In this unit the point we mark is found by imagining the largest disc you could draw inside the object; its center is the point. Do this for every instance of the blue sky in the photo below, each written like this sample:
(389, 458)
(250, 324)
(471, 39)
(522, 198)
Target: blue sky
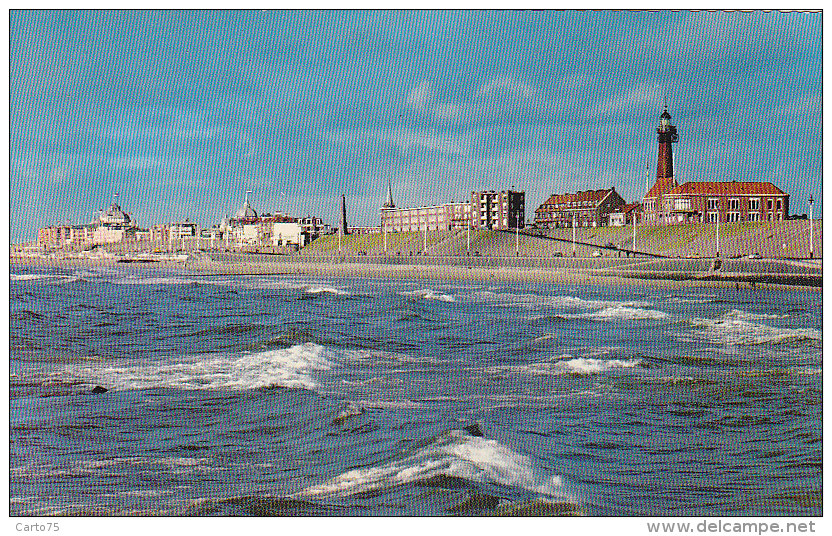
(182, 111)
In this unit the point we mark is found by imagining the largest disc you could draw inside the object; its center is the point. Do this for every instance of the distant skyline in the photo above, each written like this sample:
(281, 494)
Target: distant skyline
(181, 112)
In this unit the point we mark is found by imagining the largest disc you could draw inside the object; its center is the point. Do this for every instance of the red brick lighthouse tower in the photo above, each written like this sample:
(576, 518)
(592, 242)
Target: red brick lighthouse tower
(654, 209)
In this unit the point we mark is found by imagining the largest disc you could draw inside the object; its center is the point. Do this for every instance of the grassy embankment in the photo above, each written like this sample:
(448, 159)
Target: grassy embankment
(763, 238)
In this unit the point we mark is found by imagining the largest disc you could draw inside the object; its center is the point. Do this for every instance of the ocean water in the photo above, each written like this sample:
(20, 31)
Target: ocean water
(278, 395)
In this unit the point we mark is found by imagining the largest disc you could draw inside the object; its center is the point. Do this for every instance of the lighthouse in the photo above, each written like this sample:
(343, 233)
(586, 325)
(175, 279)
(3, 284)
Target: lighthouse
(654, 210)
(667, 137)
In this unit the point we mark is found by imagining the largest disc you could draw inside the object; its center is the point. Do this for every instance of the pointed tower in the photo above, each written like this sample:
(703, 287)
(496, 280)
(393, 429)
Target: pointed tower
(654, 208)
(389, 203)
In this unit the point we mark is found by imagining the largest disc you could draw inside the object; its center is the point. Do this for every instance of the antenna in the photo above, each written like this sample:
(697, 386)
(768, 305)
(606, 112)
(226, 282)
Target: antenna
(247, 192)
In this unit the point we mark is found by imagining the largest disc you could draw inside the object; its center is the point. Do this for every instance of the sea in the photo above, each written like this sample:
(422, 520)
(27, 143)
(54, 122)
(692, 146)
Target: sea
(137, 391)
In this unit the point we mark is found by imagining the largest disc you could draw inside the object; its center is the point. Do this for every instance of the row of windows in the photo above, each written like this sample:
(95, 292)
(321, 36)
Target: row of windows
(713, 217)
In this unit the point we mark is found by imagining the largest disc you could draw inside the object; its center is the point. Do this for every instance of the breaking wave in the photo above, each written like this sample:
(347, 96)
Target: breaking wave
(456, 454)
(428, 294)
(578, 365)
(563, 302)
(620, 312)
(735, 328)
(293, 367)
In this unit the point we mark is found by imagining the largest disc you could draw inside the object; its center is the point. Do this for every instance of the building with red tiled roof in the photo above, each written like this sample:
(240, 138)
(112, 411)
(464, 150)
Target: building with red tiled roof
(709, 202)
(624, 215)
(586, 209)
(706, 202)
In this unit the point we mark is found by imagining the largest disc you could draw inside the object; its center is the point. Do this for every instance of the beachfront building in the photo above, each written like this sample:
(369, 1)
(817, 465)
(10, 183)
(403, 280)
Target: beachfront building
(709, 202)
(624, 215)
(487, 209)
(498, 210)
(249, 229)
(112, 225)
(586, 209)
(667, 202)
(66, 235)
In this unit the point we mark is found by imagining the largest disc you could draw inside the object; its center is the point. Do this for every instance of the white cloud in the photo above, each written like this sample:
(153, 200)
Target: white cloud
(507, 86)
(420, 95)
(406, 139)
(635, 97)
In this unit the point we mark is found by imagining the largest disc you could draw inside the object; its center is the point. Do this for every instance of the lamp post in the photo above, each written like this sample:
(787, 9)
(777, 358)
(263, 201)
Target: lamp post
(425, 248)
(516, 228)
(635, 220)
(573, 233)
(811, 228)
(468, 233)
(717, 229)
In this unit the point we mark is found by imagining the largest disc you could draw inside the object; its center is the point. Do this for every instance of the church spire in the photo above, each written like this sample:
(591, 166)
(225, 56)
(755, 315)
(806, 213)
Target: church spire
(389, 203)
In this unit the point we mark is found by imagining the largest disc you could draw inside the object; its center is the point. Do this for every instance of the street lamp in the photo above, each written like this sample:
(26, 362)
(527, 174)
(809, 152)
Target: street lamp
(573, 233)
(811, 228)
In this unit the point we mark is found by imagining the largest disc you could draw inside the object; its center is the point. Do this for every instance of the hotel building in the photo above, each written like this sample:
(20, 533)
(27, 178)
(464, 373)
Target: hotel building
(486, 210)
(586, 209)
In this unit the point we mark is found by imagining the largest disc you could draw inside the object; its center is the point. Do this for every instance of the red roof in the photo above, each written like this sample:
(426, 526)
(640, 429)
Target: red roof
(662, 186)
(727, 188)
(628, 208)
(589, 195)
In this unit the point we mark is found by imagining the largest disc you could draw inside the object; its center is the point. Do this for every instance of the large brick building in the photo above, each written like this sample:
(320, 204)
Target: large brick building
(489, 209)
(709, 202)
(667, 202)
(587, 209)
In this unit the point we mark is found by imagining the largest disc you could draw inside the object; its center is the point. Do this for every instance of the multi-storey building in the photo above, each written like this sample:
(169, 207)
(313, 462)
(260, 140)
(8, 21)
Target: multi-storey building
(61, 235)
(582, 209)
(492, 210)
(498, 210)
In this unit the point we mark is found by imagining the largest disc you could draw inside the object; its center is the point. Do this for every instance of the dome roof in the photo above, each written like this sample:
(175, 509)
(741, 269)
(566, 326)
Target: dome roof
(665, 115)
(114, 214)
(245, 212)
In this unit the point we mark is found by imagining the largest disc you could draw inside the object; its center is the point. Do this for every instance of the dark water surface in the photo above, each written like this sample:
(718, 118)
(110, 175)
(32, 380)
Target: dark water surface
(269, 395)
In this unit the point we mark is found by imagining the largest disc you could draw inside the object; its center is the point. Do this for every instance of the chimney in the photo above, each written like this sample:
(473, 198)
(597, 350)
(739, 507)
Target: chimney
(344, 229)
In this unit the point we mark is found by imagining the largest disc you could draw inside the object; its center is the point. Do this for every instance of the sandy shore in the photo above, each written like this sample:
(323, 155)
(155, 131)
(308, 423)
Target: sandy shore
(418, 272)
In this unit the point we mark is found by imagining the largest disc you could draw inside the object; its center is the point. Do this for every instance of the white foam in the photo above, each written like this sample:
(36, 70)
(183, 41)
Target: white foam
(429, 294)
(561, 302)
(733, 329)
(453, 454)
(29, 277)
(743, 315)
(132, 280)
(292, 367)
(620, 312)
(318, 289)
(578, 365)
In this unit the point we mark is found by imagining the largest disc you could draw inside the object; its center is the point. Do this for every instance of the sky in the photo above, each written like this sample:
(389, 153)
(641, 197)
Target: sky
(181, 112)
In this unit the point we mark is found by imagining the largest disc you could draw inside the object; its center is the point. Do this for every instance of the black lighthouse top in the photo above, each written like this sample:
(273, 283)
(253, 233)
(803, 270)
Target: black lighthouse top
(665, 127)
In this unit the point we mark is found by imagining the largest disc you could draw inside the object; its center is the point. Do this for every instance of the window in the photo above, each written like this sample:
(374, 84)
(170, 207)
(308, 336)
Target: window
(768, 204)
(754, 203)
(753, 216)
(779, 204)
(682, 204)
(733, 204)
(713, 203)
(732, 216)
(713, 217)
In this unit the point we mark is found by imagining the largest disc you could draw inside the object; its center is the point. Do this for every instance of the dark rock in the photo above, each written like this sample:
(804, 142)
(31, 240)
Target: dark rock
(474, 430)
(98, 389)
